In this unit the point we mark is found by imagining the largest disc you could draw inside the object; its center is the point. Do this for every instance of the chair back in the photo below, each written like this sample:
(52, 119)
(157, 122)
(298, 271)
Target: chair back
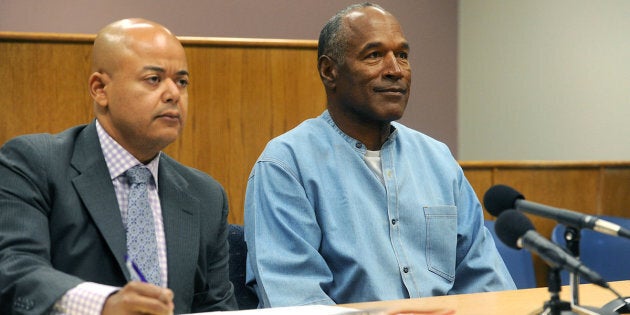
(518, 262)
(245, 297)
(606, 254)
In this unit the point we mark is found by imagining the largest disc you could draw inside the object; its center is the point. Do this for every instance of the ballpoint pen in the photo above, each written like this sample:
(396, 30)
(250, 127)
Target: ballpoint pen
(134, 270)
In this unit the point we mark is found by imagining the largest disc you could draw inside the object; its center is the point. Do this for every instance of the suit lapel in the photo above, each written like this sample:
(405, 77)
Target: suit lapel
(179, 210)
(181, 227)
(96, 190)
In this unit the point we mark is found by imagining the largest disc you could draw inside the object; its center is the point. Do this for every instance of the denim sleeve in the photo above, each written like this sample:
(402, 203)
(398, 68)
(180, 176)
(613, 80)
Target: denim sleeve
(480, 267)
(283, 238)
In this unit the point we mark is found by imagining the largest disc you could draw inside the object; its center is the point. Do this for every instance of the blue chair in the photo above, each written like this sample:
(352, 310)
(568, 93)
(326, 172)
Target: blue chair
(519, 262)
(607, 255)
(245, 297)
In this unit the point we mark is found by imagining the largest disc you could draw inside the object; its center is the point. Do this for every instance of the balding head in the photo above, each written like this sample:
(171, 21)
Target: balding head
(123, 37)
(334, 36)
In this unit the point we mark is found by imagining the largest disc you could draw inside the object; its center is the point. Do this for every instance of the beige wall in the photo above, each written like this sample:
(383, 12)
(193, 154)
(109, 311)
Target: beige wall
(430, 26)
(544, 80)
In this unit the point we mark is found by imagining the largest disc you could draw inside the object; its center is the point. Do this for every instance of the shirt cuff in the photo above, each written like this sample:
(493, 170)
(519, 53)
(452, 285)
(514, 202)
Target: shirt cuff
(87, 298)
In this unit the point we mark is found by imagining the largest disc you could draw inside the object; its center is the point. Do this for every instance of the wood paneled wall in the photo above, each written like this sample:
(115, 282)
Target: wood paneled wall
(243, 93)
(593, 187)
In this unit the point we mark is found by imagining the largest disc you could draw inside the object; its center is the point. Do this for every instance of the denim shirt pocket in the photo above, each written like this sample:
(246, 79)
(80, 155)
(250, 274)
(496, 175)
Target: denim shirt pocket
(441, 244)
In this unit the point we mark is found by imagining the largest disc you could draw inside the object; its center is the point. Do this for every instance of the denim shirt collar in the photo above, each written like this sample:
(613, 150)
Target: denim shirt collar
(356, 144)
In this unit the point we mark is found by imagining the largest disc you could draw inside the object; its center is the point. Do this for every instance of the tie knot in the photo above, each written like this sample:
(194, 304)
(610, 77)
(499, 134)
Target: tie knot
(138, 175)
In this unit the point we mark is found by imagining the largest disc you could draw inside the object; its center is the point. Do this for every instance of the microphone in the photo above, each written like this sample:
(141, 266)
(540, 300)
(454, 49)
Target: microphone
(517, 231)
(501, 197)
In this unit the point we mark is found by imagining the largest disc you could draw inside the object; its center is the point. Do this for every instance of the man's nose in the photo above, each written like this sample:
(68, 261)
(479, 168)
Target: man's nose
(172, 92)
(392, 66)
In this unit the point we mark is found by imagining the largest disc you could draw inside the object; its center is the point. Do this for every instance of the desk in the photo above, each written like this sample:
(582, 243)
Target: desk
(525, 301)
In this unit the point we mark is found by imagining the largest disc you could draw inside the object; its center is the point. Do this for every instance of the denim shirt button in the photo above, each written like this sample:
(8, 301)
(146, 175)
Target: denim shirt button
(406, 269)
(358, 145)
(394, 221)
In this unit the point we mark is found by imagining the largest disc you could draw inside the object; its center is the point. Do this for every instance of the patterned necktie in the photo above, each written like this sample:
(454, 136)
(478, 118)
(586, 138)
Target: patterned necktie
(141, 242)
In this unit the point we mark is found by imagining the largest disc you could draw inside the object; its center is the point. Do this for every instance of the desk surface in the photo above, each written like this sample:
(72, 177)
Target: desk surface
(526, 301)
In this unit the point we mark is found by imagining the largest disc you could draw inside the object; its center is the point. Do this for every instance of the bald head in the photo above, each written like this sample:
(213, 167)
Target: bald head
(124, 37)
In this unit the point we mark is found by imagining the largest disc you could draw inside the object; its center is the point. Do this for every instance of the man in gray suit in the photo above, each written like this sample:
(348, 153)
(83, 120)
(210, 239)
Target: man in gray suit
(63, 197)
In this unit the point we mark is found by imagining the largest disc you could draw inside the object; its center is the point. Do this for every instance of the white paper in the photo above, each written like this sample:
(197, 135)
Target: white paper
(292, 310)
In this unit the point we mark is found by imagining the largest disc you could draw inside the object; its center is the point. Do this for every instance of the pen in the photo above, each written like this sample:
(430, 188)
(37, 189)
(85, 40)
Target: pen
(134, 270)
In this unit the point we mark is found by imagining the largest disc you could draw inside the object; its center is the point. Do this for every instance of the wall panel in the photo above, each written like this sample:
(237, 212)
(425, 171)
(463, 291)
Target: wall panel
(615, 197)
(243, 92)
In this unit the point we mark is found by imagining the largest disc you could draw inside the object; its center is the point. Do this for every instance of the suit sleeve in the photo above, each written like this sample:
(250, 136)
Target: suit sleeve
(28, 282)
(217, 293)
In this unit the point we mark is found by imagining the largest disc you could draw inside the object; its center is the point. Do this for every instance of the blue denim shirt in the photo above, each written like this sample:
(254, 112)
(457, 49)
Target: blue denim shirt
(321, 227)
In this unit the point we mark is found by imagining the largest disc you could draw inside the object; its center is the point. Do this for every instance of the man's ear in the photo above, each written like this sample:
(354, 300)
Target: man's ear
(327, 68)
(97, 83)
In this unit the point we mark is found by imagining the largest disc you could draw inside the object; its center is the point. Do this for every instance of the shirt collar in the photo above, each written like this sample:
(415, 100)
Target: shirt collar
(358, 145)
(118, 159)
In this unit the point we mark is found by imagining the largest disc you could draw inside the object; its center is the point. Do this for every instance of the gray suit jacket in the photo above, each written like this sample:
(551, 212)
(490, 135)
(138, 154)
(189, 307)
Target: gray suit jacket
(60, 225)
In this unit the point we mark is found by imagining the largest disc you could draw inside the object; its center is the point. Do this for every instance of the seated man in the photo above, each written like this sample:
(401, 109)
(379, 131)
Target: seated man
(74, 206)
(352, 206)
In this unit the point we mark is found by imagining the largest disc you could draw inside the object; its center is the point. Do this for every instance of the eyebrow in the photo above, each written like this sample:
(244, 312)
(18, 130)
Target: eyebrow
(368, 46)
(161, 70)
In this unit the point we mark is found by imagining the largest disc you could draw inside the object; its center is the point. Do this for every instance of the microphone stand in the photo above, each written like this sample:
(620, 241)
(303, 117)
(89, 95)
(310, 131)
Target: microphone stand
(572, 239)
(555, 306)
(616, 306)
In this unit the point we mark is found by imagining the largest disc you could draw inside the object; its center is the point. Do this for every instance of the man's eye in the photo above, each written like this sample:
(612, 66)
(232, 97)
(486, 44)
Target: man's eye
(374, 54)
(403, 55)
(183, 82)
(153, 79)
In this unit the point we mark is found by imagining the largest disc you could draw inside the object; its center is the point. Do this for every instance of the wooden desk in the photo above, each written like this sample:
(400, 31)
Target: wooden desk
(526, 301)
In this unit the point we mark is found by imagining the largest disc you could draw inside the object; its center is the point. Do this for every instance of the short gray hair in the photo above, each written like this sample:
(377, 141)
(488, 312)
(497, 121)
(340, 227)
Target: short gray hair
(333, 38)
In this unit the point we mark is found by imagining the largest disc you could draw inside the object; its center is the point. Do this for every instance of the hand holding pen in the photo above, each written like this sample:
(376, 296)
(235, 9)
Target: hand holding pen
(134, 270)
(139, 297)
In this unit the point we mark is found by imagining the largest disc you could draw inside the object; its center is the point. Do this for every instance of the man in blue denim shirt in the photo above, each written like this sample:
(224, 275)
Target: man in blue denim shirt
(352, 206)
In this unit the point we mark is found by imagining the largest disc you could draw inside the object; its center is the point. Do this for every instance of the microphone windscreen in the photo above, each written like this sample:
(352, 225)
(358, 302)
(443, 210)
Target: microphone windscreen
(512, 225)
(499, 198)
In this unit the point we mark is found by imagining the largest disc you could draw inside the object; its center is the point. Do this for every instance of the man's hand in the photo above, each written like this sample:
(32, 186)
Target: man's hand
(140, 298)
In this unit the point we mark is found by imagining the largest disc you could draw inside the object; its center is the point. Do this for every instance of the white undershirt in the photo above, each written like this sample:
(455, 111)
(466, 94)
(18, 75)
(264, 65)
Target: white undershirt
(373, 161)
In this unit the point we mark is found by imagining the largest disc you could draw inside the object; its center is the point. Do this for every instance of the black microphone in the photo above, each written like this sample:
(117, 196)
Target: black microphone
(501, 197)
(517, 231)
